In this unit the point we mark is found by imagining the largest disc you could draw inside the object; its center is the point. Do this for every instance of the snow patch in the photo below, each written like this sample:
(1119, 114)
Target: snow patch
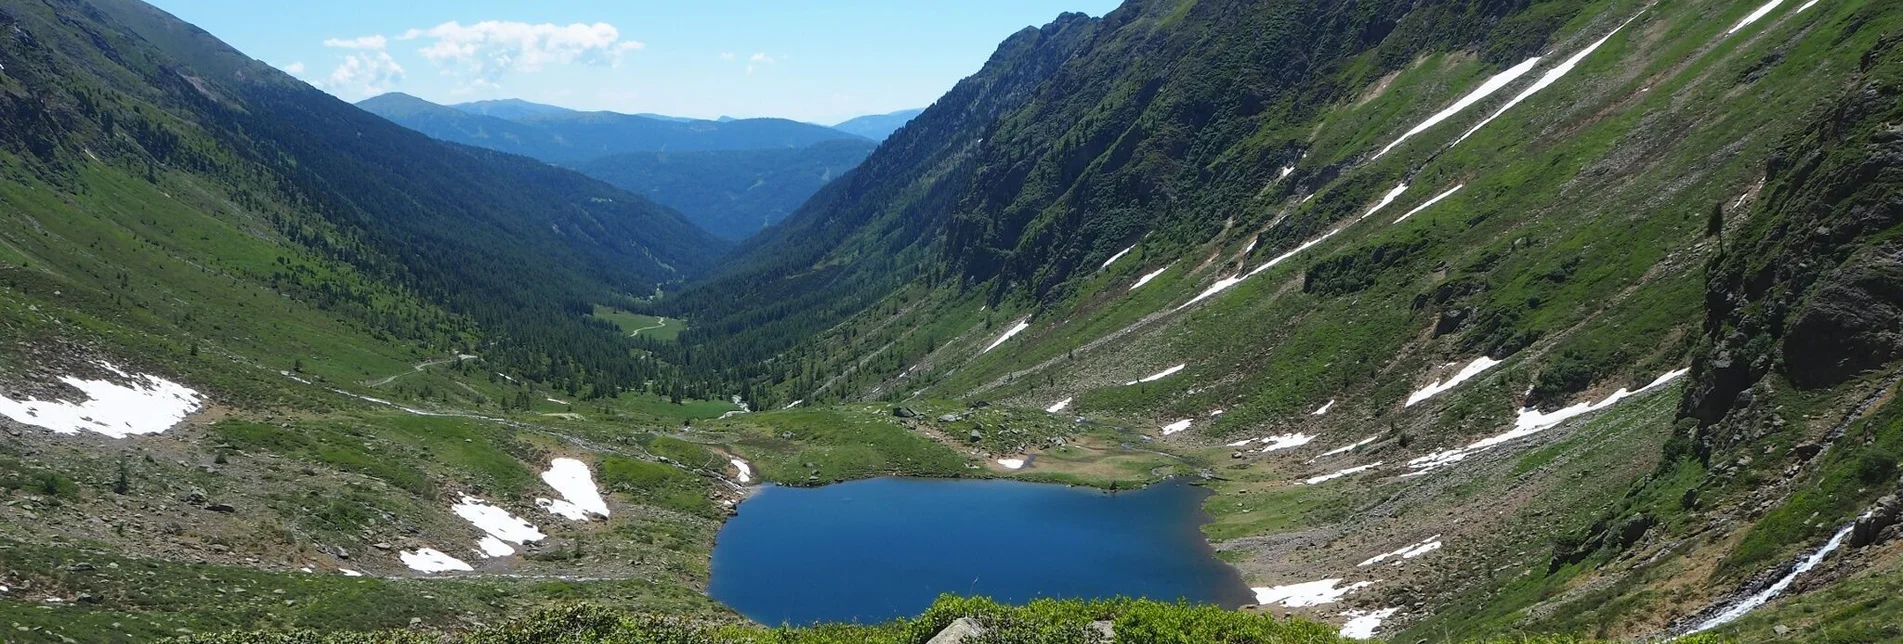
(498, 524)
(1348, 448)
(1385, 200)
(1530, 422)
(1430, 203)
(1552, 75)
(1176, 427)
(1146, 278)
(1298, 250)
(1427, 545)
(745, 471)
(1021, 326)
(1487, 88)
(1480, 364)
(1158, 375)
(1113, 258)
(1059, 405)
(1011, 463)
(1220, 286)
(147, 405)
(1363, 623)
(580, 496)
(1324, 409)
(349, 573)
(1285, 172)
(1314, 593)
(1341, 473)
(492, 547)
(432, 560)
(1807, 5)
(1755, 15)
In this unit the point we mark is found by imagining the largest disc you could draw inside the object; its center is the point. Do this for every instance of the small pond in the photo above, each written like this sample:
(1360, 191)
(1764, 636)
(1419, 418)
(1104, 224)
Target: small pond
(873, 550)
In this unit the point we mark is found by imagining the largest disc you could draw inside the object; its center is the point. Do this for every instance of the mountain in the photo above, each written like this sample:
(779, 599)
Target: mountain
(1597, 290)
(117, 103)
(513, 109)
(568, 137)
(1469, 321)
(878, 126)
(731, 193)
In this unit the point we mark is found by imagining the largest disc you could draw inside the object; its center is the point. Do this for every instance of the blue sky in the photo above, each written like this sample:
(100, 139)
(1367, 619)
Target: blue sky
(812, 60)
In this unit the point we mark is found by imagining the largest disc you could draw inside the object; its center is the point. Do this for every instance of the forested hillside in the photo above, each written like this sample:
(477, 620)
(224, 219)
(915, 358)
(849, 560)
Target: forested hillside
(381, 224)
(731, 193)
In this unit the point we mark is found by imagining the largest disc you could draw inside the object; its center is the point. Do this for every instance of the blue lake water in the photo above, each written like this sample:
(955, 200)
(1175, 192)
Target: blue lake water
(873, 550)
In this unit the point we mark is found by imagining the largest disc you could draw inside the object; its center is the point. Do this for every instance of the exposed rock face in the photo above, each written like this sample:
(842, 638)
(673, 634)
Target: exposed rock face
(1799, 282)
(1854, 321)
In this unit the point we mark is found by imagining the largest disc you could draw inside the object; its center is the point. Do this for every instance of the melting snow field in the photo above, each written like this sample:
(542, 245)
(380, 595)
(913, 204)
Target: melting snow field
(1385, 200)
(1492, 85)
(1803, 566)
(1220, 286)
(1011, 463)
(1146, 278)
(1158, 375)
(1341, 473)
(502, 527)
(432, 560)
(1348, 448)
(1277, 443)
(1324, 409)
(1426, 546)
(1530, 422)
(1113, 258)
(1021, 326)
(745, 471)
(1363, 623)
(149, 405)
(1059, 405)
(1176, 427)
(1755, 15)
(1314, 593)
(1552, 76)
(1430, 203)
(1480, 364)
(580, 497)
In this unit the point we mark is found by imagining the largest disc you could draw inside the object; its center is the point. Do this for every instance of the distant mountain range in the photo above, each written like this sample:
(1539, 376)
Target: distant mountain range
(879, 126)
(731, 193)
(732, 177)
(559, 135)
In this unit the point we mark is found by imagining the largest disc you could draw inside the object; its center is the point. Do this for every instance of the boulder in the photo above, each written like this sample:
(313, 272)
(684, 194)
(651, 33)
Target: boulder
(902, 412)
(1869, 527)
(958, 631)
(221, 507)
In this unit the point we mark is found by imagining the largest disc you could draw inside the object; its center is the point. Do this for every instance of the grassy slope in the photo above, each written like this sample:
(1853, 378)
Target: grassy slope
(1575, 245)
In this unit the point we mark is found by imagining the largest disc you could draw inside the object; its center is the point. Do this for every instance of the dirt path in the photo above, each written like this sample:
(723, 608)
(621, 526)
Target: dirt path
(417, 368)
(648, 328)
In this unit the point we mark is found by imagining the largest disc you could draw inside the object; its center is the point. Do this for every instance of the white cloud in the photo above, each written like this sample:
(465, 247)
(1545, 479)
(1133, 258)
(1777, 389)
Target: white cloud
(759, 59)
(487, 50)
(294, 68)
(364, 74)
(727, 55)
(375, 41)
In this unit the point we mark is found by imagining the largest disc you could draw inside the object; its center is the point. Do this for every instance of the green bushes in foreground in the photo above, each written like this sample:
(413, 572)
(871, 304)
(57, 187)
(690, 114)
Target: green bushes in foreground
(1040, 622)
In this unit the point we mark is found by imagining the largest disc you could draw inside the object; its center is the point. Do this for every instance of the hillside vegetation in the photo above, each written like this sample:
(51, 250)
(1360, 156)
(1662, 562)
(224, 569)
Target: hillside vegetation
(1559, 320)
